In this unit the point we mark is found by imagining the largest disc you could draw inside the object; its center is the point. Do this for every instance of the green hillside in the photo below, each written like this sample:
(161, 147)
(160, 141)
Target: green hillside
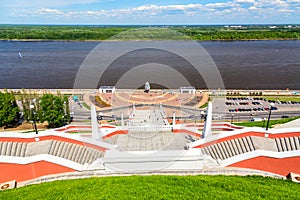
(160, 187)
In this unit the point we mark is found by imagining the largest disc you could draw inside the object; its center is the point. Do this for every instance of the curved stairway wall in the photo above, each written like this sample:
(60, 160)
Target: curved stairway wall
(274, 151)
(23, 157)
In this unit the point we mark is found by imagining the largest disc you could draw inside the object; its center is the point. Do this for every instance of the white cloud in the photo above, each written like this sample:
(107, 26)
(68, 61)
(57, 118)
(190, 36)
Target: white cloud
(252, 8)
(46, 11)
(285, 10)
(293, 1)
(244, 1)
(233, 8)
(43, 3)
(221, 5)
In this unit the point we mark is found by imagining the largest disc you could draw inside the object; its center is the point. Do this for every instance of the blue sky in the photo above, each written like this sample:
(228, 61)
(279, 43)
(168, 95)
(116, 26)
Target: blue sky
(150, 12)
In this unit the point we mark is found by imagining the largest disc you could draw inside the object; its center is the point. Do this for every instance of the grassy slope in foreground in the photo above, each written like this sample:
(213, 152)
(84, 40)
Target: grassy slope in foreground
(160, 187)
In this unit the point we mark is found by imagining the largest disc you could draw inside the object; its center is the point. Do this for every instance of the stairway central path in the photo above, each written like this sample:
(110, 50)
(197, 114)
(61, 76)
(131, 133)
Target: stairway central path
(147, 133)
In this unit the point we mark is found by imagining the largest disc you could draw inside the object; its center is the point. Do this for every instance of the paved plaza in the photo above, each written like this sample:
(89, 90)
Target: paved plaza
(148, 132)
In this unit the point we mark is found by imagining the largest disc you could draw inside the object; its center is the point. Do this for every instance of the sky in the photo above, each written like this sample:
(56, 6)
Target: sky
(143, 12)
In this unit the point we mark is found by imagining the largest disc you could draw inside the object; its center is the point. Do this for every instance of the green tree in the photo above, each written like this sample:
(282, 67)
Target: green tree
(9, 110)
(53, 109)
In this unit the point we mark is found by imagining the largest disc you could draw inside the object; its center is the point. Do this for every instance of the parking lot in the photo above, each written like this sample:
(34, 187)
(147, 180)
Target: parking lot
(249, 107)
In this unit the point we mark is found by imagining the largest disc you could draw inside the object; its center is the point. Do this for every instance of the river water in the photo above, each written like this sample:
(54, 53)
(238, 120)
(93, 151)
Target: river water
(242, 64)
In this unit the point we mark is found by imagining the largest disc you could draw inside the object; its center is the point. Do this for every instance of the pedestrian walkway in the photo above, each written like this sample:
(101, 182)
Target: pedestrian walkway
(291, 124)
(148, 132)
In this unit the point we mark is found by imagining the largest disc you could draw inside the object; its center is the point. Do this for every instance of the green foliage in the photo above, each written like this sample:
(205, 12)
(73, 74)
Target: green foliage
(9, 110)
(264, 123)
(160, 187)
(58, 32)
(52, 109)
(282, 98)
(42, 32)
(246, 33)
(47, 107)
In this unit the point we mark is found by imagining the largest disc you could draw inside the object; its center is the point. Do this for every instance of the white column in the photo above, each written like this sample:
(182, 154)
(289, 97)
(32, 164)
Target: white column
(174, 120)
(122, 119)
(208, 122)
(95, 128)
(133, 108)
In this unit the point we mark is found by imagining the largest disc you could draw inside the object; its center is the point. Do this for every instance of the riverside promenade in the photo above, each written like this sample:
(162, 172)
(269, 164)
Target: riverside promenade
(85, 91)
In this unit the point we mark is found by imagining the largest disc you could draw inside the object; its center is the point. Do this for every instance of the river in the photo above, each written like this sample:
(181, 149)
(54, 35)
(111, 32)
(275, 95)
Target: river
(242, 64)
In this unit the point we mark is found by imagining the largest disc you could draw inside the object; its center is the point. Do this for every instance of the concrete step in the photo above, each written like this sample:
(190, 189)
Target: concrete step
(8, 149)
(56, 147)
(1, 147)
(238, 146)
(14, 149)
(213, 152)
(228, 148)
(241, 145)
(60, 149)
(83, 156)
(74, 155)
(283, 144)
(297, 142)
(219, 155)
(79, 154)
(23, 149)
(233, 147)
(53, 148)
(66, 150)
(288, 144)
(250, 143)
(71, 151)
(91, 156)
(18, 149)
(224, 150)
(278, 145)
(245, 142)
(292, 143)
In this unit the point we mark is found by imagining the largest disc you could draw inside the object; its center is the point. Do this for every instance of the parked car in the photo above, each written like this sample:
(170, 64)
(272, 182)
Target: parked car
(285, 116)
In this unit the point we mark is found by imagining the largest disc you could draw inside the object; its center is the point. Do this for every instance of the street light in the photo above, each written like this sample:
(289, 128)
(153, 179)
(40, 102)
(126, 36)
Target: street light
(270, 111)
(33, 114)
(65, 113)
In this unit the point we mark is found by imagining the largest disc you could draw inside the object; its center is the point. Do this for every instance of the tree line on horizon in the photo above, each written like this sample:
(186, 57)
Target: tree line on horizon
(83, 33)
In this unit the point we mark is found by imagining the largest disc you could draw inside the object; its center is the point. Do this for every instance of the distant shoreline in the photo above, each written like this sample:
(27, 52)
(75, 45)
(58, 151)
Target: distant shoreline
(124, 33)
(223, 40)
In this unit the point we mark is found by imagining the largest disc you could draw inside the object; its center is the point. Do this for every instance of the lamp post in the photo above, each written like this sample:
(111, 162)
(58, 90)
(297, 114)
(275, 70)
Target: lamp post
(270, 111)
(33, 115)
(65, 113)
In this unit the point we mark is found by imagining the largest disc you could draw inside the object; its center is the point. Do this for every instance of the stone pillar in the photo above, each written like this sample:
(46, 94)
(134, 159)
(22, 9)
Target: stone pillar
(95, 127)
(133, 108)
(174, 120)
(122, 119)
(208, 122)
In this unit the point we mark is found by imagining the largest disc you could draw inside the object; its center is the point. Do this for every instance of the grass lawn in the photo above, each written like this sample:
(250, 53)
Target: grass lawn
(272, 97)
(86, 106)
(160, 187)
(282, 98)
(264, 123)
